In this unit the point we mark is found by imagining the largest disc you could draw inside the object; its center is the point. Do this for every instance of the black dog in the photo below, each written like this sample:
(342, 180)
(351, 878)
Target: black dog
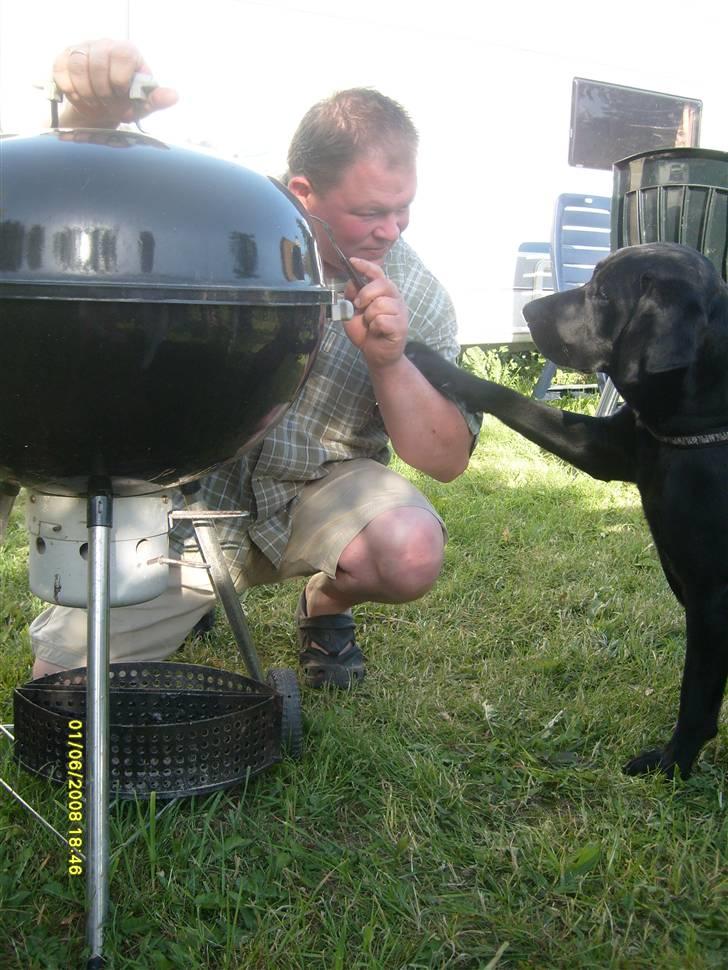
(655, 319)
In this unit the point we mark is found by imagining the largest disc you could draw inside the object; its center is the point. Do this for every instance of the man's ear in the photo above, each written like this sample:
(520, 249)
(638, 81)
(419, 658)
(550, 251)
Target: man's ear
(300, 186)
(662, 334)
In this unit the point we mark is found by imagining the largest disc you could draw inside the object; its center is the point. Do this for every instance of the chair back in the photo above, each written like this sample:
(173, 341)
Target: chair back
(675, 195)
(580, 238)
(532, 279)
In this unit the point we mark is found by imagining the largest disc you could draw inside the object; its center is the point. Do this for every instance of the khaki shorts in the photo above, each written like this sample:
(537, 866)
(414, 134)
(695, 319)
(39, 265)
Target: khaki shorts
(328, 514)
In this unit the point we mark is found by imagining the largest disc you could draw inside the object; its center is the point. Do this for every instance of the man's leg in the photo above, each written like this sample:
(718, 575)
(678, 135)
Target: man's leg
(147, 631)
(368, 535)
(396, 558)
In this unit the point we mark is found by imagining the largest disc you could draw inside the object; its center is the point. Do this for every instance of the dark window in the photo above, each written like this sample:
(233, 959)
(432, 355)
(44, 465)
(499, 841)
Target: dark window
(609, 122)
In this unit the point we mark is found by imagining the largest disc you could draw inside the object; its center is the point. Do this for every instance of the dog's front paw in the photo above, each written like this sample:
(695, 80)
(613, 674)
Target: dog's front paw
(656, 759)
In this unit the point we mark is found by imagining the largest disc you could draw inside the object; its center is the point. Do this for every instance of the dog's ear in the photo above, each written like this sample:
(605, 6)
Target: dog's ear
(662, 333)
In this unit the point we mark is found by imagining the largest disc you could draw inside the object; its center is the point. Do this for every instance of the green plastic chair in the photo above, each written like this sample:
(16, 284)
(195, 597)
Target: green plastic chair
(677, 195)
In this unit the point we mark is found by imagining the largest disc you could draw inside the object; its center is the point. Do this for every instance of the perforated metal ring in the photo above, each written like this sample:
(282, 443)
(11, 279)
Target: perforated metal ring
(175, 729)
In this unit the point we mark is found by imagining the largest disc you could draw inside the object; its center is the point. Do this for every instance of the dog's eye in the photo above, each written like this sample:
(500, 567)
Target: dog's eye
(601, 295)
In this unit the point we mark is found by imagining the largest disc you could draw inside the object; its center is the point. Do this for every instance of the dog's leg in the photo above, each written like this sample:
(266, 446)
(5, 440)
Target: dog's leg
(601, 447)
(701, 694)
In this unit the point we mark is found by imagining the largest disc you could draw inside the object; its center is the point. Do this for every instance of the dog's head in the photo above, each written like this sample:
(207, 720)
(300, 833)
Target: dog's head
(643, 313)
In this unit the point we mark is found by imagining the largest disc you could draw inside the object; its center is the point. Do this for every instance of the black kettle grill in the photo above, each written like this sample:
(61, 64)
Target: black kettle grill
(159, 311)
(160, 308)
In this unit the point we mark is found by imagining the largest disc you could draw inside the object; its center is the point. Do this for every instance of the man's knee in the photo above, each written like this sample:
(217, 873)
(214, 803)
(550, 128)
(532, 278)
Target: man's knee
(406, 548)
(418, 561)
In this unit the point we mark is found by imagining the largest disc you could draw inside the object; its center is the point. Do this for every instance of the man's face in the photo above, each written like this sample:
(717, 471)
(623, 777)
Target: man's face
(367, 210)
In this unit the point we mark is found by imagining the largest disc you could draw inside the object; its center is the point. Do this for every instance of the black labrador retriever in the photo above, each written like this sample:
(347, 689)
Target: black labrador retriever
(655, 319)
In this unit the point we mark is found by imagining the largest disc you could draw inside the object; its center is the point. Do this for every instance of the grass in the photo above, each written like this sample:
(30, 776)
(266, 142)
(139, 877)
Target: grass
(464, 808)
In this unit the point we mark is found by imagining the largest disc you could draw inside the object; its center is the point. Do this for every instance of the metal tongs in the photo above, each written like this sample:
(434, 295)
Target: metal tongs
(357, 279)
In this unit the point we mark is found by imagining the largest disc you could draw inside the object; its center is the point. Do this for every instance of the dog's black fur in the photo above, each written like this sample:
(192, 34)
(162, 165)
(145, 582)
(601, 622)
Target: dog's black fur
(655, 319)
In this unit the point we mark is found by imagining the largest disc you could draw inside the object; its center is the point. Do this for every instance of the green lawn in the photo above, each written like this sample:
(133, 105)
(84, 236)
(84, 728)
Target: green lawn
(465, 808)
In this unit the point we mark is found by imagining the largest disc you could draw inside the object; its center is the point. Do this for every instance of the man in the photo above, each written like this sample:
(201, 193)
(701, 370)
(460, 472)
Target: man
(322, 502)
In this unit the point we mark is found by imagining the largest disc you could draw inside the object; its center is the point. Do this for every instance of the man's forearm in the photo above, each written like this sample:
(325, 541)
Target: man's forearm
(426, 429)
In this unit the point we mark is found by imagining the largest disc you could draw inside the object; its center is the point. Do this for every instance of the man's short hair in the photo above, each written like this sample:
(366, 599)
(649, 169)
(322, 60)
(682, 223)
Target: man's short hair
(350, 124)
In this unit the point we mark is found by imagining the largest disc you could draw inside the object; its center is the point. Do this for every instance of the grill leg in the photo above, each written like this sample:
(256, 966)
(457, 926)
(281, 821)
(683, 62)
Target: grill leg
(222, 583)
(97, 719)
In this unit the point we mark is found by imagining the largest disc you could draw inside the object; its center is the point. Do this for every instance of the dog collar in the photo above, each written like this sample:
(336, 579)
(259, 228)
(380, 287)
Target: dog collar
(687, 440)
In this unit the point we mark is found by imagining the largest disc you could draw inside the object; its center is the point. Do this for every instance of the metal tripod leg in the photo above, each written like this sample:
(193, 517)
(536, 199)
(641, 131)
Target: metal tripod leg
(608, 401)
(222, 583)
(97, 720)
(544, 382)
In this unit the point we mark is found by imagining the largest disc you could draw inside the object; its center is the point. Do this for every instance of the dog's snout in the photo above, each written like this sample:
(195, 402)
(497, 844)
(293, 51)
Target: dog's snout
(562, 329)
(532, 311)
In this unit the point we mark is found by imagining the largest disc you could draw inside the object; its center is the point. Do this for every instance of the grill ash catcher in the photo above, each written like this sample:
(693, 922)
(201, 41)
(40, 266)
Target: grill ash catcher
(160, 310)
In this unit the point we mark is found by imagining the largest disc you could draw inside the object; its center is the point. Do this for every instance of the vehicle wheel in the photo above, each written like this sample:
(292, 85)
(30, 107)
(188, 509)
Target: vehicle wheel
(283, 680)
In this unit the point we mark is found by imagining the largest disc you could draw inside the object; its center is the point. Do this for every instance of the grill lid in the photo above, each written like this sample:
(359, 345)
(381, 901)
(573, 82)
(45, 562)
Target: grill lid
(90, 214)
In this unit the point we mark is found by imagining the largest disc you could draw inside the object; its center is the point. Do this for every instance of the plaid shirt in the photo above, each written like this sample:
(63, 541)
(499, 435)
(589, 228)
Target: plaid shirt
(335, 418)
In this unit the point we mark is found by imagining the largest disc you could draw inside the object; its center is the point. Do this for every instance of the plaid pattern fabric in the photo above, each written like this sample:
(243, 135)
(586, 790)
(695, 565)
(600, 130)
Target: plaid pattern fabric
(334, 419)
